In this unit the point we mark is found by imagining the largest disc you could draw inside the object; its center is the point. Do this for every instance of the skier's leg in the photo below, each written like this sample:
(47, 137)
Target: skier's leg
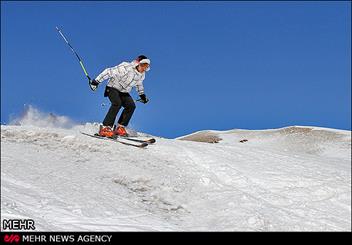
(129, 107)
(116, 103)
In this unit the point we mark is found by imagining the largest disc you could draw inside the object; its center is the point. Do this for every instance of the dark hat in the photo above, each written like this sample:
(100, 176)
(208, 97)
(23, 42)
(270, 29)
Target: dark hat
(141, 57)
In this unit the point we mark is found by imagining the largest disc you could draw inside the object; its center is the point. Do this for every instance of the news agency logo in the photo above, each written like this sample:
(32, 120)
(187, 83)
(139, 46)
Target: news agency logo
(12, 238)
(18, 224)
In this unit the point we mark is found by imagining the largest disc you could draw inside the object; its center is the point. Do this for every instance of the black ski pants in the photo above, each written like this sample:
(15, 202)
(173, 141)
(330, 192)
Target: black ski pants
(119, 99)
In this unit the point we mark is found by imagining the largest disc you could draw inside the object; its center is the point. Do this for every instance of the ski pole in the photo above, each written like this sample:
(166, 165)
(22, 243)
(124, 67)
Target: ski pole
(79, 59)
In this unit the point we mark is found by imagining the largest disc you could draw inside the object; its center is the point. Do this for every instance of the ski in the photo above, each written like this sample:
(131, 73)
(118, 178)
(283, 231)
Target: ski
(148, 141)
(117, 139)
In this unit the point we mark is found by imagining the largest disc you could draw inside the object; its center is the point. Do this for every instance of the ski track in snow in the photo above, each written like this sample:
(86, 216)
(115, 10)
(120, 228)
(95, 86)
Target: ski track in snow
(295, 178)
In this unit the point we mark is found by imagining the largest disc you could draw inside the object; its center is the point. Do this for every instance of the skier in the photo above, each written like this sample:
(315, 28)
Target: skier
(121, 80)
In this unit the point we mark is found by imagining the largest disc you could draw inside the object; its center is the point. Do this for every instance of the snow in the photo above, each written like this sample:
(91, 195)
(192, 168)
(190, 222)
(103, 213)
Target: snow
(290, 179)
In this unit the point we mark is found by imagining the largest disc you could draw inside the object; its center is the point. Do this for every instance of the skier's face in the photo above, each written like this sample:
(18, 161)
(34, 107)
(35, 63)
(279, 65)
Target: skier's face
(142, 67)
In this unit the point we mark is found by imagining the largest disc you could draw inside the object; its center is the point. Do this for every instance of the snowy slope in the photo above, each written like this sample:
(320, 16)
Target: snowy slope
(294, 178)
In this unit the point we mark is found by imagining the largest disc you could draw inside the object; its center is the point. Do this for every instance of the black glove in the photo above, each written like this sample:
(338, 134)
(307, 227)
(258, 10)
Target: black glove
(144, 99)
(94, 82)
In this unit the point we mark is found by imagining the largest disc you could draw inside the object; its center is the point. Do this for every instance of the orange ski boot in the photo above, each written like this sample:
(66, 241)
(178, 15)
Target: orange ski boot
(121, 131)
(106, 131)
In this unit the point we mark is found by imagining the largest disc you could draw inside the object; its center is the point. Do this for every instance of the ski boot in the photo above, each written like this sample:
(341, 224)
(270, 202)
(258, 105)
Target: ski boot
(120, 131)
(106, 131)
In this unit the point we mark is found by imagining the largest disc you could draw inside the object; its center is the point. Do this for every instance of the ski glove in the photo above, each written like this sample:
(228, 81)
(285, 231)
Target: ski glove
(144, 99)
(94, 82)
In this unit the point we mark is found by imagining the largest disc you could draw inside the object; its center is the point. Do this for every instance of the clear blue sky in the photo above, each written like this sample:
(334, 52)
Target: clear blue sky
(215, 65)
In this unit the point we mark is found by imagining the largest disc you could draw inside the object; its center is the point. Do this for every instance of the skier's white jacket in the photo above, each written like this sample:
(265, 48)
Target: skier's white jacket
(123, 77)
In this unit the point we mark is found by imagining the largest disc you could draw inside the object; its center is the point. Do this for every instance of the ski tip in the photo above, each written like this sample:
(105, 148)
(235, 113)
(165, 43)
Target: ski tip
(143, 145)
(151, 141)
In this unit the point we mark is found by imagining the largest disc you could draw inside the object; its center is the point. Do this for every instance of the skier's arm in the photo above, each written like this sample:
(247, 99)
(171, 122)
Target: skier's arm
(116, 71)
(140, 87)
(106, 74)
(140, 90)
